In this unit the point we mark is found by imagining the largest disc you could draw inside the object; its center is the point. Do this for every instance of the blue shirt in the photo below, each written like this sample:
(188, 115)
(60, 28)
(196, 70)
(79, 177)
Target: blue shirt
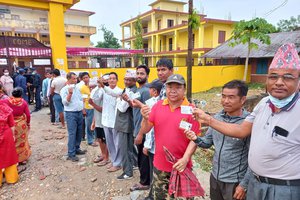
(76, 102)
(20, 81)
(45, 86)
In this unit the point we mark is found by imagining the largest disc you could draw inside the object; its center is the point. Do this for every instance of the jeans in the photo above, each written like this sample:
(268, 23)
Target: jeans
(38, 103)
(74, 125)
(88, 122)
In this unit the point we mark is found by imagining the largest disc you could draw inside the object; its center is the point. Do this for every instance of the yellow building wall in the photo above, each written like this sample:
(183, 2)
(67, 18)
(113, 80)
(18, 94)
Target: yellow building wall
(168, 6)
(208, 37)
(183, 40)
(76, 41)
(221, 27)
(33, 15)
(204, 78)
(76, 19)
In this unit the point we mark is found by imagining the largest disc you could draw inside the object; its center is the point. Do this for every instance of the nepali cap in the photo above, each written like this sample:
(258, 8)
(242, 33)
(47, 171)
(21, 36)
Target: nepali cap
(286, 57)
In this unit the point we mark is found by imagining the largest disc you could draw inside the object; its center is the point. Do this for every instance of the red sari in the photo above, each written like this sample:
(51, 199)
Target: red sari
(8, 154)
(22, 122)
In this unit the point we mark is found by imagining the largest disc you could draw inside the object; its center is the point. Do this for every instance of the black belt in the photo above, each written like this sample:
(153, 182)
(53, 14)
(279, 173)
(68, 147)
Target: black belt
(275, 181)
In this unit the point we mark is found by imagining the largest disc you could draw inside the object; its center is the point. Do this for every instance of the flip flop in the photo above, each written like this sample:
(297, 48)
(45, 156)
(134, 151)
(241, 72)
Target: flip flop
(21, 168)
(103, 163)
(98, 159)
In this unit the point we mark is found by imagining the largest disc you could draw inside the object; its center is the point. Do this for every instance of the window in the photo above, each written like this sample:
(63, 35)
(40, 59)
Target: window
(184, 21)
(158, 24)
(15, 17)
(81, 36)
(170, 23)
(43, 19)
(221, 38)
(170, 44)
(44, 36)
(68, 35)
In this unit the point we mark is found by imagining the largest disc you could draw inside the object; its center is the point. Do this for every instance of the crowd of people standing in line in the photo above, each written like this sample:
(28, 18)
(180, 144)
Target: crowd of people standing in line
(154, 128)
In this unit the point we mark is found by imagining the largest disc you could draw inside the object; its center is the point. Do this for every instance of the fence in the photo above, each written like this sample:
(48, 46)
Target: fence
(204, 77)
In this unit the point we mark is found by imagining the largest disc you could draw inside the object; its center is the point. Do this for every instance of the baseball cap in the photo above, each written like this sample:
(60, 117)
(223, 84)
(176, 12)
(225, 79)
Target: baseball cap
(156, 84)
(176, 78)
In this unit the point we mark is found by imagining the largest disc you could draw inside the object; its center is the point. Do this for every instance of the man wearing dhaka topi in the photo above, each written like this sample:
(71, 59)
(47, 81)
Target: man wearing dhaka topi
(274, 126)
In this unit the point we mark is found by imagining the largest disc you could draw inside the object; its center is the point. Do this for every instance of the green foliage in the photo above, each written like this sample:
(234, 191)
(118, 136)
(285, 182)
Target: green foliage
(110, 41)
(286, 25)
(194, 20)
(138, 42)
(245, 31)
(204, 157)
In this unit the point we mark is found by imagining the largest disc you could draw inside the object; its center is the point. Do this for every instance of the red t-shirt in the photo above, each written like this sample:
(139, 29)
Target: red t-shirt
(167, 133)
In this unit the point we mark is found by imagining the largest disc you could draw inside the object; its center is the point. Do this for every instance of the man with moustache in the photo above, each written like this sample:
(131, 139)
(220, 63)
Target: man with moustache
(73, 107)
(274, 126)
(142, 75)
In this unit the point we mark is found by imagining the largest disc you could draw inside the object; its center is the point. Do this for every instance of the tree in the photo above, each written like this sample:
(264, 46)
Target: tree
(286, 25)
(138, 42)
(193, 24)
(245, 31)
(110, 41)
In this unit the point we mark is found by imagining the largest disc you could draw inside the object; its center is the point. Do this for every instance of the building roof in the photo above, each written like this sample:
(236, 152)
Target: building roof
(89, 13)
(172, 1)
(263, 50)
(93, 51)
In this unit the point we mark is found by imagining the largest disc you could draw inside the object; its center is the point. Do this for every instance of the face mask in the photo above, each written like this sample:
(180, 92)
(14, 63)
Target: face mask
(6, 73)
(281, 103)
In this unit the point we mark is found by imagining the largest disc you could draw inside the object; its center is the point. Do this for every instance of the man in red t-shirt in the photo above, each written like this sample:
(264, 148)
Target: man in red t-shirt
(166, 116)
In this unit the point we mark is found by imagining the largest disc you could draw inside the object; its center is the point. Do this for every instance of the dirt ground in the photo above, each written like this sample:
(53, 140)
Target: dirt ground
(49, 176)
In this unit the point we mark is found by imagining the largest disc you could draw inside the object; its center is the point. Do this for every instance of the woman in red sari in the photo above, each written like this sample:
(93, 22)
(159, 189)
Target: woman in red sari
(8, 154)
(3, 94)
(22, 123)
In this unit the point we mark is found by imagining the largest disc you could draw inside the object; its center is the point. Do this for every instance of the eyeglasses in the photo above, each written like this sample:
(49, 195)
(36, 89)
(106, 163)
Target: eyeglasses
(284, 77)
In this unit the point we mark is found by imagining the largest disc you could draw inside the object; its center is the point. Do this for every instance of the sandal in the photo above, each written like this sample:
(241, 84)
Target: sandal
(139, 186)
(21, 168)
(103, 163)
(98, 159)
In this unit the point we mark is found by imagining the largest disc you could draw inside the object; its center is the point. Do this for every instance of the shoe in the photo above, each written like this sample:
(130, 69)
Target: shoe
(93, 144)
(149, 198)
(139, 186)
(113, 169)
(81, 152)
(35, 110)
(124, 177)
(73, 158)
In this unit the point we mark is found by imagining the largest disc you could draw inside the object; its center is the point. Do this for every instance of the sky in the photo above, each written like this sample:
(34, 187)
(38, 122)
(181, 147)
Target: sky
(111, 13)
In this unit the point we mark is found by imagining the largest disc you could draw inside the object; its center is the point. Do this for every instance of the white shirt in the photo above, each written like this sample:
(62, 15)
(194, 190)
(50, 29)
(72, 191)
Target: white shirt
(109, 106)
(58, 83)
(97, 97)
